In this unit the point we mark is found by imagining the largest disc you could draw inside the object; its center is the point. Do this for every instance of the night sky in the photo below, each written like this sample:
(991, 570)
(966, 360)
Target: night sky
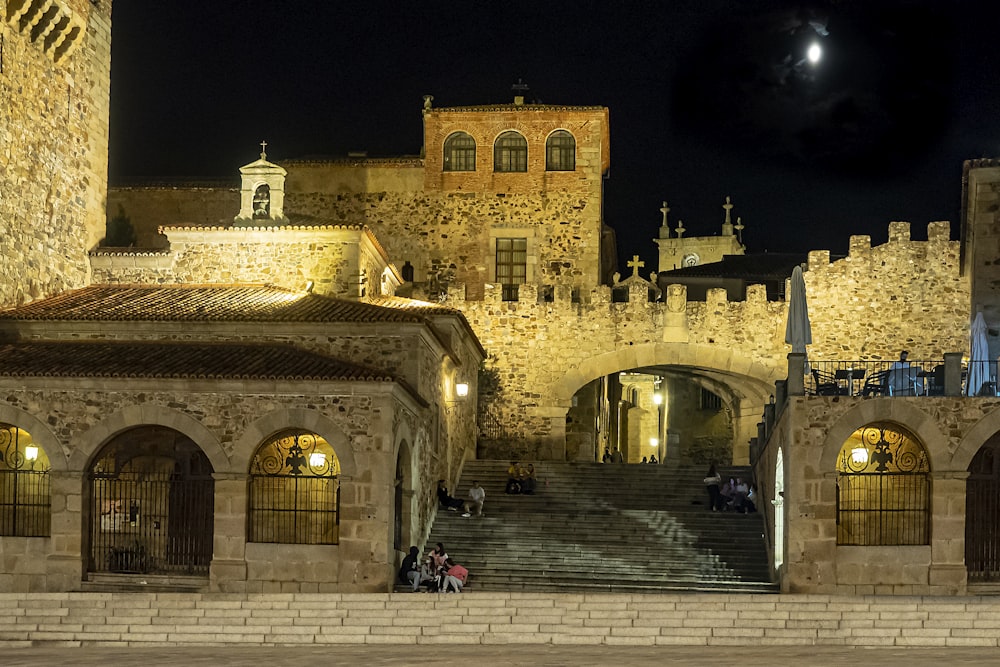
(708, 98)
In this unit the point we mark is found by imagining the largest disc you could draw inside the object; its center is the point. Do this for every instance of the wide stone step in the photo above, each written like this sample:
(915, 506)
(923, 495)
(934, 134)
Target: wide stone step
(604, 527)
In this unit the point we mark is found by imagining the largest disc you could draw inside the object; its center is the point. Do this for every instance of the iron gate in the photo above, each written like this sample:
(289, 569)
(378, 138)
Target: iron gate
(982, 515)
(151, 523)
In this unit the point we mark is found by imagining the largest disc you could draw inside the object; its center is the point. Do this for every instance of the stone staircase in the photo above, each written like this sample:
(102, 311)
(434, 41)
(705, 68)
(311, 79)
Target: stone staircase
(604, 527)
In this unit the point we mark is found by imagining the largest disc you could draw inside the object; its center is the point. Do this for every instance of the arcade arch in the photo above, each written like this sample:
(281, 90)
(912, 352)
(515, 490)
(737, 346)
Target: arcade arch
(150, 505)
(596, 417)
(25, 491)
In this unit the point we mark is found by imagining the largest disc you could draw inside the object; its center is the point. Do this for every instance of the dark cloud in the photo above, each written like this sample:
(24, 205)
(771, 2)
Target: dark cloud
(878, 98)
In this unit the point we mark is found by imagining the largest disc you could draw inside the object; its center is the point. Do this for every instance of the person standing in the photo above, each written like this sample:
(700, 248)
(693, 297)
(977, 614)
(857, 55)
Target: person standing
(712, 481)
(900, 379)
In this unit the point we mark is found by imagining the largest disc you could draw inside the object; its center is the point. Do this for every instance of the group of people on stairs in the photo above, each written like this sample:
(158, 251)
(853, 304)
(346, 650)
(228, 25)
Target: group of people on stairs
(437, 573)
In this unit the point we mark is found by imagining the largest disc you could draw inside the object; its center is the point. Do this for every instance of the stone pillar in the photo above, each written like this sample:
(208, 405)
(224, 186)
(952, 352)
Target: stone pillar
(952, 373)
(228, 572)
(796, 374)
(780, 393)
(65, 564)
(947, 569)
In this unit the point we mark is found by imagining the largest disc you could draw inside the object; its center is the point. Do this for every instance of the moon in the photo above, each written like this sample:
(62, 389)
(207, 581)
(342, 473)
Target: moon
(814, 53)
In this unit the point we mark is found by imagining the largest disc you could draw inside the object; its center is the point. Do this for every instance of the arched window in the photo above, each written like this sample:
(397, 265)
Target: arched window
(560, 152)
(294, 491)
(262, 202)
(510, 152)
(883, 488)
(459, 152)
(25, 498)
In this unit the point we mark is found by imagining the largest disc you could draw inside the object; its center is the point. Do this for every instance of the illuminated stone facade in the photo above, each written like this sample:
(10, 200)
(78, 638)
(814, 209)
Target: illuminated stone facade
(55, 84)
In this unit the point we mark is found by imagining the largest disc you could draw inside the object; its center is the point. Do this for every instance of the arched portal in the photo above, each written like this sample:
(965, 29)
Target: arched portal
(982, 514)
(403, 498)
(151, 505)
(25, 498)
(727, 389)
(295, 490)
(883, 488)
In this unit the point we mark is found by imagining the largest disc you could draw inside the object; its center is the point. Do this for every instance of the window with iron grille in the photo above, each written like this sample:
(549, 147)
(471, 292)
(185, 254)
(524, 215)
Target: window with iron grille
(25, 497)
(295, 491)
(883, 489)
(459, 152)
(710, 401)
(560, 152)
(510, 152)
(512, 265)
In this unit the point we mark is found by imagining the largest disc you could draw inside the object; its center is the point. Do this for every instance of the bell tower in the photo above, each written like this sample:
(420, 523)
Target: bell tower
(262, 193)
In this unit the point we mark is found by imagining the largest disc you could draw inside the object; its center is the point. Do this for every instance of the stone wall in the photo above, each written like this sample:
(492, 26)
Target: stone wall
(866, 306)
(229, 425)
(53, 147)
(811, 432)
(981, 239)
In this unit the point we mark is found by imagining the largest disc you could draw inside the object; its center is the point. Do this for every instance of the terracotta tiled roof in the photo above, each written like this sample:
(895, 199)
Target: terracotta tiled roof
(176, 361)
(206, 303)
(414, 305)
(521, 107)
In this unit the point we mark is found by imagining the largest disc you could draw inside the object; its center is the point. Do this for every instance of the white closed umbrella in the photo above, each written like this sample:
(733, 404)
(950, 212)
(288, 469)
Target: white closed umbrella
(979, 357)
(798, 332)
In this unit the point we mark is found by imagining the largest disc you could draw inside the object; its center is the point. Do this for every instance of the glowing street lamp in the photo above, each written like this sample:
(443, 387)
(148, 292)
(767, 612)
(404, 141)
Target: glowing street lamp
(31, 453)
(462, 389)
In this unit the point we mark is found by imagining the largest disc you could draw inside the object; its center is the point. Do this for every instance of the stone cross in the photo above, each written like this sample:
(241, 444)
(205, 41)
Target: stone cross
(664, 210)
(729, 207)
(263, 154)
(635, 264)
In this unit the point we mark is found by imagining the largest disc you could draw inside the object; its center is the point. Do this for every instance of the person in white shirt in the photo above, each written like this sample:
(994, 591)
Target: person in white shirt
(477, 496)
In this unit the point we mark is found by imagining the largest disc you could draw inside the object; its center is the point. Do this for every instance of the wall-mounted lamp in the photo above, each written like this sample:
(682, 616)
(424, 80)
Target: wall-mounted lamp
(657, 399)
(859, 455)
(31, 453)
(654, 442)
(317, 460)
(461, 389)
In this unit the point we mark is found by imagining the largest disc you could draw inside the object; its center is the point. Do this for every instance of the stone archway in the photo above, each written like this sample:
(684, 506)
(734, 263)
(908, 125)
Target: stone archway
(747, 383)
(982, 514)
(151, 500)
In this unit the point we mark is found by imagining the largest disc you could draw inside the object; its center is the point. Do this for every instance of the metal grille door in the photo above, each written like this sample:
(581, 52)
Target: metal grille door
(151, 523)
(982, 516)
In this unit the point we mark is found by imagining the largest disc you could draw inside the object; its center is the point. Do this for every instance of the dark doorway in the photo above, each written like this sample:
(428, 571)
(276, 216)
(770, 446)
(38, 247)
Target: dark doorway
(982, 514)
(152, 501)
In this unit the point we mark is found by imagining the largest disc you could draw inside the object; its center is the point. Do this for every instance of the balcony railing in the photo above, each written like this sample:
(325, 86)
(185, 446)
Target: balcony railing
(900, 378)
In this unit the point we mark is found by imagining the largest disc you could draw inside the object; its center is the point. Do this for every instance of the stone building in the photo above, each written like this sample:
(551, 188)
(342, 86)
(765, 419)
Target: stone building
(261, 394)
(263, 414)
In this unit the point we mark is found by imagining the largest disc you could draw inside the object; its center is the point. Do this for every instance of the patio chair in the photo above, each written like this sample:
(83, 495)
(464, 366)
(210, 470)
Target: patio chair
(826, 384)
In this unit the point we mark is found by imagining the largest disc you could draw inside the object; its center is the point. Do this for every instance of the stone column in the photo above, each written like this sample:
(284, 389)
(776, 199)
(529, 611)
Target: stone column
(65, 565)
(796, 374)
(947, 569)
(228, 571)
(952, 373)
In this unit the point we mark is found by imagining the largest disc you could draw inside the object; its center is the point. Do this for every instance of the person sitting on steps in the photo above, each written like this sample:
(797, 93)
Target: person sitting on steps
(513, 478)
(409, 571)
(528, 480)
(455, 577)
(445, 499)
(477, 496)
